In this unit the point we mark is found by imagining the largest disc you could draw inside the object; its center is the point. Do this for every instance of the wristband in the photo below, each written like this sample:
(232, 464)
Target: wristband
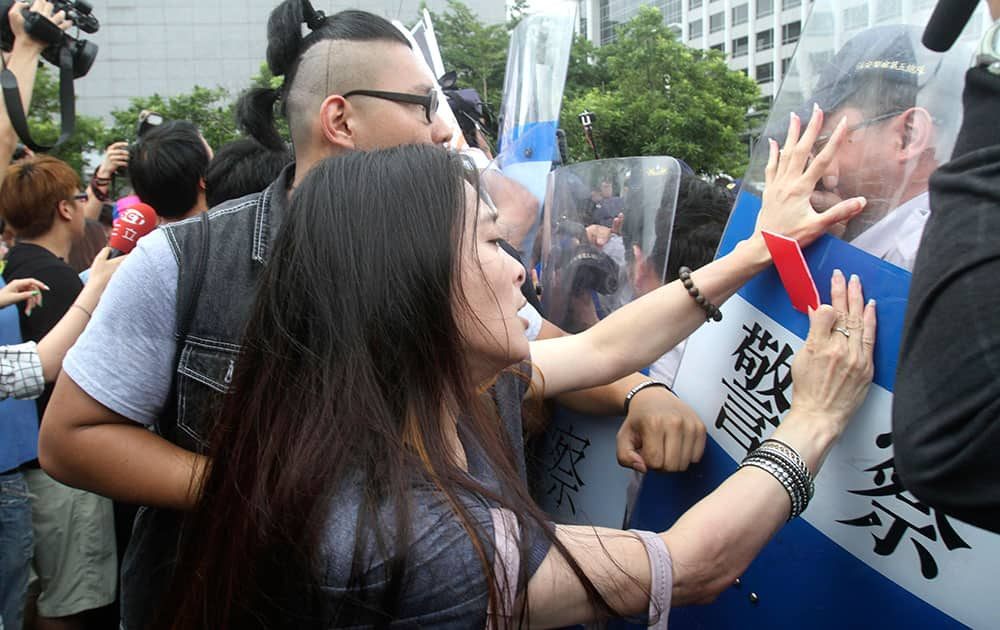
(641, 386)
(95, 184)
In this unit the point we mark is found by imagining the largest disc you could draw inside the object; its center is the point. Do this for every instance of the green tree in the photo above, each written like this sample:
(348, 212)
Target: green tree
(210, 109)
(477, 52)
(43, 122)
(652, 95)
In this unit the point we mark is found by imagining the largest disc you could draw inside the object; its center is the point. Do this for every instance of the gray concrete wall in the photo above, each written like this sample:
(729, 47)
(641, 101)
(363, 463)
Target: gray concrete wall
(167, 47)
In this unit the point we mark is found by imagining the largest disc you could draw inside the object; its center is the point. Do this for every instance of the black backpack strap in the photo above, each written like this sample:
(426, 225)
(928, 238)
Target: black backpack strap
(67, 104)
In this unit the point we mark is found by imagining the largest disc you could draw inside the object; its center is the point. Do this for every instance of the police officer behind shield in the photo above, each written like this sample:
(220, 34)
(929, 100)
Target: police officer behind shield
(898, 100)
(946, 409)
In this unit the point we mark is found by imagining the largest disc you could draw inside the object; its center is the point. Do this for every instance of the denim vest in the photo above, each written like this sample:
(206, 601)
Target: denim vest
(220, 293)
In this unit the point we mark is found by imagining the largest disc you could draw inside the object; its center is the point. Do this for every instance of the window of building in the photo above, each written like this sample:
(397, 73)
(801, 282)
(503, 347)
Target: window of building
(741, 14)
(694, 4)
(887, 10)
(720, 47)
(856, 17)
(740, 46)
(790, 4)
(672, 11)
(765, 7)
(765, 40)
(786, 64)
(716, 22)
(694, 29)
(790, 32)
(765, 72)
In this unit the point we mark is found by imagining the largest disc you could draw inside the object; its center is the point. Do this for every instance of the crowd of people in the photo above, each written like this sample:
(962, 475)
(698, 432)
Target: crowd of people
(302, 401)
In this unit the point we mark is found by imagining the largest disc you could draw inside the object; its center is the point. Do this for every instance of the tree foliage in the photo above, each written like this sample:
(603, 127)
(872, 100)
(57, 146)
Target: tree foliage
(477, 52)
(652, 95)
(210, 109)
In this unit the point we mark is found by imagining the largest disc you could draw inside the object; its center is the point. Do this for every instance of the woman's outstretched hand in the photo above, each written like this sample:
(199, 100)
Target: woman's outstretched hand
(833, 370)
(790, 178)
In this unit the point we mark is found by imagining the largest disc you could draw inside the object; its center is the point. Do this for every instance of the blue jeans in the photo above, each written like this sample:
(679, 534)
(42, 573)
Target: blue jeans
(16, 543)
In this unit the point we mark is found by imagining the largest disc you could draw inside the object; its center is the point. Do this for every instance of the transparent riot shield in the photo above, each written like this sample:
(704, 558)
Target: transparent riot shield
(605, 240)
(537, 61)
(902, 103)
(866, 553)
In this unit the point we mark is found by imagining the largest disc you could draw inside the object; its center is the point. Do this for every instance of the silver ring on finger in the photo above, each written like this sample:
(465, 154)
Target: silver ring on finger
(843, 331)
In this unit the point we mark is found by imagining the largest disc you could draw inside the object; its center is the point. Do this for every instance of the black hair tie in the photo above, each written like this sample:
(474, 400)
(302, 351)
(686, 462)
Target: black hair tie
(314, 19)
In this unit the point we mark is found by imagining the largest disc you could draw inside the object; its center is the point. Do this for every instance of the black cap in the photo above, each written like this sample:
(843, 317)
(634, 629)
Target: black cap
(891, 53)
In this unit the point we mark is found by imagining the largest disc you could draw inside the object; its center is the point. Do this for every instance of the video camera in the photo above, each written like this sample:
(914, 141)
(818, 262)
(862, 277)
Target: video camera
(585, 267)
(37, 26)
(74, 58)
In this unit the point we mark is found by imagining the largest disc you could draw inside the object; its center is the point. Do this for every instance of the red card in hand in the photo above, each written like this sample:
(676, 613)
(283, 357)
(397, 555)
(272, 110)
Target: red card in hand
(793, 270)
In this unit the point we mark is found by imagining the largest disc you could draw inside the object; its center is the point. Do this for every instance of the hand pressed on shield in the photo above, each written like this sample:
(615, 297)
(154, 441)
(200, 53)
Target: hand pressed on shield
(833, 370)
(790, 179)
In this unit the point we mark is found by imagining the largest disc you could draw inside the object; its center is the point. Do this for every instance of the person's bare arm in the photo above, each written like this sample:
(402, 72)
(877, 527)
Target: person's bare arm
(56, 343)
(714, 541)
(76, 428)
(115, 157)
(635, 335)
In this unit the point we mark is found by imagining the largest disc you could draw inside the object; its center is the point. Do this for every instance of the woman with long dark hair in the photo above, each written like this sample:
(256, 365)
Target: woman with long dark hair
(367, 469)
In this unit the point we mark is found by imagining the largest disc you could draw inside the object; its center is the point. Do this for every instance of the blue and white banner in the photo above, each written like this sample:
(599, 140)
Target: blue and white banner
(865, 553)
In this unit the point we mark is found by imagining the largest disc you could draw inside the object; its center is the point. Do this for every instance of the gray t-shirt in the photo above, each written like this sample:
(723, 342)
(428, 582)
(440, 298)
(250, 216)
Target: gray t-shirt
(125, 357)
(444, 585)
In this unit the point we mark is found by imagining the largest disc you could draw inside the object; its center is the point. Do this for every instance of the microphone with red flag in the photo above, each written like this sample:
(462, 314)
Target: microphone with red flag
(132, 224)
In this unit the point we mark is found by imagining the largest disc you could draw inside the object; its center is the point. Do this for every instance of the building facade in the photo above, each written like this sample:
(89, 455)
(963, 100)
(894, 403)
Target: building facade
(167, 47)
(757, 36)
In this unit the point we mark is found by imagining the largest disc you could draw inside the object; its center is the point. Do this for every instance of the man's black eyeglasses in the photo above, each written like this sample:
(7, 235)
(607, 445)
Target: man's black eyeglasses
(867, 122)
(428, 101)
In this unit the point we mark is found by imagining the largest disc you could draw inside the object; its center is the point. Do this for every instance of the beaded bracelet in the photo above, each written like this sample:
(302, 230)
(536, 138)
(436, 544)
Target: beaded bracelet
(711, 310)
(641, 386)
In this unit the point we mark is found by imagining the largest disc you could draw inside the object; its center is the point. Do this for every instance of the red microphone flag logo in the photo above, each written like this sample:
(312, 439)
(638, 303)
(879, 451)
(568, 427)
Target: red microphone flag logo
(132, 224)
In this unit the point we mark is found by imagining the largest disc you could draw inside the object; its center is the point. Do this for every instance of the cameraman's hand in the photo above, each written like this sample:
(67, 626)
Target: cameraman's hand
(115, 157)
(16, 18)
